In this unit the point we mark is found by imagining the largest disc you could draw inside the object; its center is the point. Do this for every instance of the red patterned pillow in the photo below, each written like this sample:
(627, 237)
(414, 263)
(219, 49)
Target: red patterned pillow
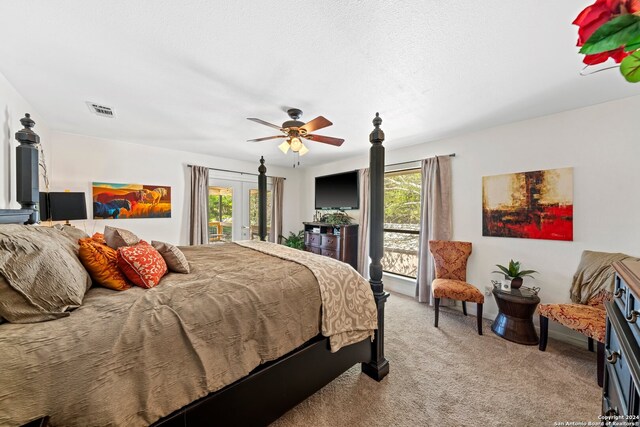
(142, 264)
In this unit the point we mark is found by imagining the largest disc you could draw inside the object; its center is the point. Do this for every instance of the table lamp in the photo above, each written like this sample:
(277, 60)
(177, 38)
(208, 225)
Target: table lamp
(63, 206)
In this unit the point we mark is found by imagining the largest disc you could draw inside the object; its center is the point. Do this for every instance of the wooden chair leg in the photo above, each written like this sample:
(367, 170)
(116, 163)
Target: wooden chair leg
(590, 344)
(544, 332)
(464, 308)
(600, 361)
(479, 318)
(437, 304)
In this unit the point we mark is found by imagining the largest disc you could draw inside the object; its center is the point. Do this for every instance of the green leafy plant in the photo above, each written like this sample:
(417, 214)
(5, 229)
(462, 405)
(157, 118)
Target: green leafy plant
(336, 218)
(630, 67)
(294, 240)
(513, 271)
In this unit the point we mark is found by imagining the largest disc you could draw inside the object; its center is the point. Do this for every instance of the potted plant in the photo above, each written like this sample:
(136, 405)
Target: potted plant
(336, 218)
(294, 240)
(514, 273)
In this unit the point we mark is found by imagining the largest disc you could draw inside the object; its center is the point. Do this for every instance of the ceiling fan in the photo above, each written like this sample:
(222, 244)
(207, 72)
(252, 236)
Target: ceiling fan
(295, 131)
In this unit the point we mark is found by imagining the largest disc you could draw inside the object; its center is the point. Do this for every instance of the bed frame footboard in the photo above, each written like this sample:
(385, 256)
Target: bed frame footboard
(378, 367)
(272, 389)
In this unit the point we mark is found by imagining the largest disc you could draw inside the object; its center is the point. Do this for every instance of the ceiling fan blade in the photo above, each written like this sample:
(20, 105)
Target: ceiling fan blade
(262, 122)
(315, 124)
(266, 138)
(326, 139)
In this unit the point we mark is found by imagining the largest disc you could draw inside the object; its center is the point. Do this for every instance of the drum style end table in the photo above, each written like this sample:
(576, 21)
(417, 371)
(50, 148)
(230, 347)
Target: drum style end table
(515, 315)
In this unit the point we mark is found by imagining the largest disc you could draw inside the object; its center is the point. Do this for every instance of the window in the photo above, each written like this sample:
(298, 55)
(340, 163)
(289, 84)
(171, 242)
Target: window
(401, 222)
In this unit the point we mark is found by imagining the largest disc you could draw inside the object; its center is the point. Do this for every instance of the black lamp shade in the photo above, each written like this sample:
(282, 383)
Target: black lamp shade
(63, 206)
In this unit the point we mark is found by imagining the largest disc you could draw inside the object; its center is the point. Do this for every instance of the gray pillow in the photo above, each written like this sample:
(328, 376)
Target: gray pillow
(40, 275)
(118, 237)
(175, 259)
(17, 308)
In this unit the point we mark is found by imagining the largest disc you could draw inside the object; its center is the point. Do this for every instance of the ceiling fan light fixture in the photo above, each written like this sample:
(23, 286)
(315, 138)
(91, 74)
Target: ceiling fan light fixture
(295, 130)
(284, 147)
(296, 144)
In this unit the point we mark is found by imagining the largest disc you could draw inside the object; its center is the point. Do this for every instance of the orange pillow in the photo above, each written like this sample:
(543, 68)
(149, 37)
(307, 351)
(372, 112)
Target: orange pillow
(98, 237)
(102, 264)
(142, 264)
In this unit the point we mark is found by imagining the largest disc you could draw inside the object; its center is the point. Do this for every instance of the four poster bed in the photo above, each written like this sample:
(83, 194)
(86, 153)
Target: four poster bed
(271, 387)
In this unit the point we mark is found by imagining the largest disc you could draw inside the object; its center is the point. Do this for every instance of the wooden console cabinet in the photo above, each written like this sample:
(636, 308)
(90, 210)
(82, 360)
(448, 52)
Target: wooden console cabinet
(336, 241)
(621, 391)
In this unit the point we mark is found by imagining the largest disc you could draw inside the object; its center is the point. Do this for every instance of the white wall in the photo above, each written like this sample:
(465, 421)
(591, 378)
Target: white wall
(74, 161)
(599, 142)
(77, 161)
(12, 108)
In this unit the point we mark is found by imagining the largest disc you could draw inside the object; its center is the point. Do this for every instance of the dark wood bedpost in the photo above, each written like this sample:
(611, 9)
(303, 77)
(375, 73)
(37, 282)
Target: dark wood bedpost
(262, 200)
(28, 185)
(378, 368)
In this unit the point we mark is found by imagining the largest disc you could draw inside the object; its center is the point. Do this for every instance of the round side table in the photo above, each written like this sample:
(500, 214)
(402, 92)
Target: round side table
(515, 315)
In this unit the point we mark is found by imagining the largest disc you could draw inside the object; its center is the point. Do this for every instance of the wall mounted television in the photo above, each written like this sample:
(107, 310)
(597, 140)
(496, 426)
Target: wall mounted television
(338, 191)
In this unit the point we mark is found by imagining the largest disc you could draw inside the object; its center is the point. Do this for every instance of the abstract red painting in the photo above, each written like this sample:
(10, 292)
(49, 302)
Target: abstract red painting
(529, 205)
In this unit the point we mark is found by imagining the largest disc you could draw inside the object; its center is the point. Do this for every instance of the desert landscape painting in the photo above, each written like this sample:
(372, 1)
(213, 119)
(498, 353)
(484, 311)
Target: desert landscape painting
(529, 205)
(120, 201)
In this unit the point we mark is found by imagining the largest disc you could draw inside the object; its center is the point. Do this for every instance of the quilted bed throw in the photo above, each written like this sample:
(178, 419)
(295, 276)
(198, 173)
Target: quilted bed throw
(349, 312)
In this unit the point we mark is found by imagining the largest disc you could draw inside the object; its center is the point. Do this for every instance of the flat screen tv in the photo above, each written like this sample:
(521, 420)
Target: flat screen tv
(339, 191)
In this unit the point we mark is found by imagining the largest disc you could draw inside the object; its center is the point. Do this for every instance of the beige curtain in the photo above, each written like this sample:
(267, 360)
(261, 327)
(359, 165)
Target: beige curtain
(199, 213)
(435, 219)
(277, 193)
(363, 229)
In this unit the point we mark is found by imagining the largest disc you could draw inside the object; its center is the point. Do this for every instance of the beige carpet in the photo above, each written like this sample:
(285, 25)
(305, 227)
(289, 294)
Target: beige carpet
(451, 376)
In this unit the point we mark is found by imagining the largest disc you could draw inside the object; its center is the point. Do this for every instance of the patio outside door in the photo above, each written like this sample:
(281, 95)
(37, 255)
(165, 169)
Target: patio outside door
(233, 210)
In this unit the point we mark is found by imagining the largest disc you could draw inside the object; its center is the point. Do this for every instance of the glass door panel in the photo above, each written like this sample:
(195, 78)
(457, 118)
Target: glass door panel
(225, 210)
(233, 210)
(252, 221)
(220, 213)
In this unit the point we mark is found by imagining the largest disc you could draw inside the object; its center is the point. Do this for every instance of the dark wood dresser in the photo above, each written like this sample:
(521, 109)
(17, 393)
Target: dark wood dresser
(336, 241)
(621, 390)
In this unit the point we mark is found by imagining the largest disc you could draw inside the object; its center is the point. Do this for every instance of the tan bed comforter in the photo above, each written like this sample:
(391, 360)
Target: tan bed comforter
(130, 358)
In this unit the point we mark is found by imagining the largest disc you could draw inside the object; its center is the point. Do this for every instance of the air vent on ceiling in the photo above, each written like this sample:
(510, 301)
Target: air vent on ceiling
(101, 110)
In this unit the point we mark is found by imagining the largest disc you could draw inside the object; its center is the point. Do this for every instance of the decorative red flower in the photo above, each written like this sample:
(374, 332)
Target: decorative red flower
(597, 58)
(633, 6)
(593, 17)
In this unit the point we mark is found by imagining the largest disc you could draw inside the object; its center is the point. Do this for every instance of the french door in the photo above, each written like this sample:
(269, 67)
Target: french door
(233, 210)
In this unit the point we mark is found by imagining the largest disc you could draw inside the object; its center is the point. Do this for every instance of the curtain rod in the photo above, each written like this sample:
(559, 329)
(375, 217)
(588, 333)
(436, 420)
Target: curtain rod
(241, 173)
(413, 161)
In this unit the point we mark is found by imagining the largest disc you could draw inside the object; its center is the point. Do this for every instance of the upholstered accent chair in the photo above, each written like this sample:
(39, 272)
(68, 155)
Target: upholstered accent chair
(451, 275)
(588, 319)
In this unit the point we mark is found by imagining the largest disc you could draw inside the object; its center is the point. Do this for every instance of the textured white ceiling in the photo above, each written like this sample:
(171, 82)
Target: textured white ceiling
(186, 74)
